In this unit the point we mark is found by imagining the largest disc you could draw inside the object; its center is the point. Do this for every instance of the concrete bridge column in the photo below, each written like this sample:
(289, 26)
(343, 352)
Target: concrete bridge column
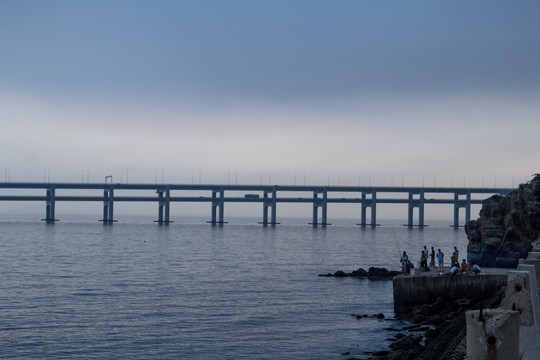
(160, 207)
(315, 208)
(108, 206)
(163, 206)
(456, 210)
(47, 210)
(50, 206)
(221, 205)
(421, 209)
(363, 211)
(218, 205)
(273, 219)
(111, 205)
(167, 205)
(324, 208)
(468, 207)
(265, 209)
(215, 204)
(411, 211)
(105, 207)
(374, 208)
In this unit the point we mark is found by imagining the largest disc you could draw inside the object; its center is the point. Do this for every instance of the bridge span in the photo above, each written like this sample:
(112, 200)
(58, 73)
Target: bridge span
(367, 197)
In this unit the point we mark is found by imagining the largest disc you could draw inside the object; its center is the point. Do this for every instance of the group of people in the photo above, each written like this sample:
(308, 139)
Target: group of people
(455, 266)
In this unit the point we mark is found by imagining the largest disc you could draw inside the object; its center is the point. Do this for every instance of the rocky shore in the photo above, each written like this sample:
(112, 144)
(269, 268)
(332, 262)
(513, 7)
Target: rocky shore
(506, 227)
(435, 330)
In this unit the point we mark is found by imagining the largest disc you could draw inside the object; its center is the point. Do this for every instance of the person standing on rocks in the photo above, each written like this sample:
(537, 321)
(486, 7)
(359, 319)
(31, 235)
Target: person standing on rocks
(440, 260)
(404, 262)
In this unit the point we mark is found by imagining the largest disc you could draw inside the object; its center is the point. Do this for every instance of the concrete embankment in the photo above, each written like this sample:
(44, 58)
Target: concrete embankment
(426, 287)
(437, 303)
(495, 314)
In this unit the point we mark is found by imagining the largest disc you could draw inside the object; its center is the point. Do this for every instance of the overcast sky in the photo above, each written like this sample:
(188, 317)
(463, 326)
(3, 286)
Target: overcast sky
(403, 92)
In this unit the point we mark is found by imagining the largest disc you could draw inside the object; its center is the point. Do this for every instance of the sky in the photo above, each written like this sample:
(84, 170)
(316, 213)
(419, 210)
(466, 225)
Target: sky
(308, 92)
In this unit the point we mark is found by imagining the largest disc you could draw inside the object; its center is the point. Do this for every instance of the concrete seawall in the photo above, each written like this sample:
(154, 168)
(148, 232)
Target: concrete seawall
(425, 288)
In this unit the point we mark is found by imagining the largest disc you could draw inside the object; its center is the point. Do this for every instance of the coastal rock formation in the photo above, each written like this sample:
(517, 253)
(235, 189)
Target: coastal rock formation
(506, 227)
(373, 273)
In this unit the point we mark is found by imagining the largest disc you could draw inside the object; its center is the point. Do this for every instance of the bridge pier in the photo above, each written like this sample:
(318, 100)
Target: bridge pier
(214, 209)
(364, 206)
(323, 204)
(108, 206)
(315, 208)
(421, 210)
(272, 204)
(265, 209)
(218, 206)
(456, 211)
(50, 206)
(416, 203)
(324, 208)
(164, 202)
(410, 214)
(372, 204)
(458, 204)
(468, 207)
(273, 211)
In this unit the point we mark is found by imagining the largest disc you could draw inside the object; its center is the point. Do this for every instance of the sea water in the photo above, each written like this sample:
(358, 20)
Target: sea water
(79, 289)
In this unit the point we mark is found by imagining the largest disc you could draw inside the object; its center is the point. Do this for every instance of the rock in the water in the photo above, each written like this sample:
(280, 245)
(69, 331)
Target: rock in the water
(373, 274)
(506, 227)
(379, 274)
(359, 273)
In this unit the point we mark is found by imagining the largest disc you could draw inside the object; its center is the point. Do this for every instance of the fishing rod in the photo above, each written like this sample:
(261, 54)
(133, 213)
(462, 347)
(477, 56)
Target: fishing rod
(395, 237)
(412, 246)
(400, 258)
(392, 260)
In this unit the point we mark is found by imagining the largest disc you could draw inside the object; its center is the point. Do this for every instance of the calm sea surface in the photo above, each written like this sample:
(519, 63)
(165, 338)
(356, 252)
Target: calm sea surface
(136, 290)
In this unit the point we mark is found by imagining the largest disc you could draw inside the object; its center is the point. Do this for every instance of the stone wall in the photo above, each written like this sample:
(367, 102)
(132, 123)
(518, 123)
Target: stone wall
(418, 290)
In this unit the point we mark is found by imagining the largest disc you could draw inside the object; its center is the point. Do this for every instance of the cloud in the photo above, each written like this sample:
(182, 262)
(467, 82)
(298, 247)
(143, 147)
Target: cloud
(174, 51)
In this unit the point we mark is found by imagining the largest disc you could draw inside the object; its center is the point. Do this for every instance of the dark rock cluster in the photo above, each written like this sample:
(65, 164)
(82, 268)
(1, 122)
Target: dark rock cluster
(373, 273)
(506, 227)
(438, 330)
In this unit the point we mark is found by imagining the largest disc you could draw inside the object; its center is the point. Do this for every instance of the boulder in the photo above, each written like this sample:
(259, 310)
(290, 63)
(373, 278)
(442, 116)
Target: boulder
(379, 274)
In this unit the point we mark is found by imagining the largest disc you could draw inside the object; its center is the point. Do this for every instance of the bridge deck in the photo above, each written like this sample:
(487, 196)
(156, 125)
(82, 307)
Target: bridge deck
(267, 195)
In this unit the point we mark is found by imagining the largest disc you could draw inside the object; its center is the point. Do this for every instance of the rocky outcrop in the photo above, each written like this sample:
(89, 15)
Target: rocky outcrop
(373, 273)
(506, 227)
